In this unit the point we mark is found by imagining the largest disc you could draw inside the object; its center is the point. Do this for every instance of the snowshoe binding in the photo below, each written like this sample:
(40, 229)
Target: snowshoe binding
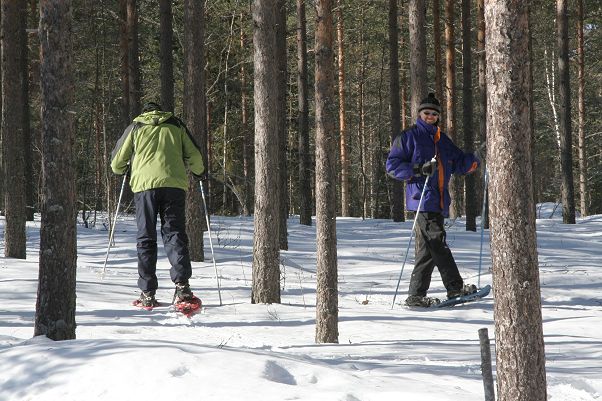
(146, 301)
(184, 301)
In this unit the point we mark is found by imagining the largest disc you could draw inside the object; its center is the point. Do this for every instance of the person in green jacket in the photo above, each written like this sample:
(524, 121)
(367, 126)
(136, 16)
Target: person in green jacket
(155, 150)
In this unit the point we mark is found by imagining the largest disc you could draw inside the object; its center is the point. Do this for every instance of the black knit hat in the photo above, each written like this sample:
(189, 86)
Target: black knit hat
(430, 102)
(151, 106)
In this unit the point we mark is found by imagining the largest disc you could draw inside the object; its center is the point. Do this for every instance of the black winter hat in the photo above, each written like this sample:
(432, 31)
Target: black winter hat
(151, 106)
(430, 102)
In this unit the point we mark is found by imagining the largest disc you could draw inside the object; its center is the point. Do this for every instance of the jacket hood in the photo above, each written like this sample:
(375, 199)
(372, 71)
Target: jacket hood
(154, 117)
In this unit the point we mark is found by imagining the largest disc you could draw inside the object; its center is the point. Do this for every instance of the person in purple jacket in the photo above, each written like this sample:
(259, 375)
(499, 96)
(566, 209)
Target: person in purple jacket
(423, 155)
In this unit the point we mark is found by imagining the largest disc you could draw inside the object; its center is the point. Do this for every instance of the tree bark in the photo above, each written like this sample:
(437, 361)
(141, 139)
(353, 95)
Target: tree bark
(124, 70)
(282, 122)
(266, 253)
(55, 306)
(247, 147)
(417, 26)
(326, 290)
(470, 203)
(450, 101)
(166, 55)
(482, 68)
(564, 86)
(583, 169)
(303, 118)
(135, 84)
(194, 115)
(397, 213)
(13, 129)
(517, 309)
(345, 189)
(437, 50)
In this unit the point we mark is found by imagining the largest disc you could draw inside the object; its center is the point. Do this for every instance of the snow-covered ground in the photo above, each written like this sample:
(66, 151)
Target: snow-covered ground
(241, 351)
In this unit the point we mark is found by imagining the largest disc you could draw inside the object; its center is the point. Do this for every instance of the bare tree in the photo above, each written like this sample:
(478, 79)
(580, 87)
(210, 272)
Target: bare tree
(13, 111)
(583, 191)
(303, 118)
(266, 253)
(327, 314)
(55, 306)
(564, 86)
(397, 193)
(194, 115)
(470, 205)
(166, 54)
(517, 309)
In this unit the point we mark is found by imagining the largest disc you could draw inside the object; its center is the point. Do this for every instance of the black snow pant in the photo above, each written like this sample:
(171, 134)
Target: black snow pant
(431, 251)
(169, 204)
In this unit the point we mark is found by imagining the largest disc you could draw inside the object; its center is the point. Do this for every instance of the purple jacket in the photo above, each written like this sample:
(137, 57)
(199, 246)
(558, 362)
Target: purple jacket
(419, 144)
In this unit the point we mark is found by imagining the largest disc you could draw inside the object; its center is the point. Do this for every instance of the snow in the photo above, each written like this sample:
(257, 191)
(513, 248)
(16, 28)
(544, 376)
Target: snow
(241, 351)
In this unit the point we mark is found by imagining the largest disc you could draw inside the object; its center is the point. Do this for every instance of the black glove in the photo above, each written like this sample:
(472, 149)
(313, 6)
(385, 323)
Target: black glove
(426, 169)
(201, 177)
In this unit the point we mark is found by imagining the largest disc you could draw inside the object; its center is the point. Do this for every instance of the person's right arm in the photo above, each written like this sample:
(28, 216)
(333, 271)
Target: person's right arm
(399, 163)
(124, 148)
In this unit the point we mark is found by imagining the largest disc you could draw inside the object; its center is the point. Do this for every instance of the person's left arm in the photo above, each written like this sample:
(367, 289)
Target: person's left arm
(464, 163)
(192, 154)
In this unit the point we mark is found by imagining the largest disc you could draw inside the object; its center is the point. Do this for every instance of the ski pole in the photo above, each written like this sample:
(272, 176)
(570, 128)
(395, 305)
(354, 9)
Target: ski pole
(483, 212)
(104, 267)
(219, 291)
(411, 236)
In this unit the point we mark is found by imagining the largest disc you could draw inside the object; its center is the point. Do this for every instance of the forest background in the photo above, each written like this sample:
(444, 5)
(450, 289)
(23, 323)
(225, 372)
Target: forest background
(101, 114)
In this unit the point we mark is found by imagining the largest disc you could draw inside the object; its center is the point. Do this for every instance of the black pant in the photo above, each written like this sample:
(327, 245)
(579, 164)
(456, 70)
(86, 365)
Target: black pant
(431, 251)
(169, 204)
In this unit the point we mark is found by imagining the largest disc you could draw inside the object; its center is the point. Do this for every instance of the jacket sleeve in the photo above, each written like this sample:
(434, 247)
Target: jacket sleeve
(192, 154)
(124, 148)
(464, 163)
(399, 163)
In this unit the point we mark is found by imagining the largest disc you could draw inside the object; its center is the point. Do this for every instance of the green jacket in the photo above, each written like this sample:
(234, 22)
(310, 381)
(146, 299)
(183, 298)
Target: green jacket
(160, 149)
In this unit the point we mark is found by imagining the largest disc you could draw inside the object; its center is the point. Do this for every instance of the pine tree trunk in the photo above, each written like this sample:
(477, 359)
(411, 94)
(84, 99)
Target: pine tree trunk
(266, 254)
(583, 169)
(124, 70)
(518, 320)
(135, 84)
(417, 26)
(564, 86)
(247, 147)
(470, 204)
(326, 289)
(194, 116)
(345, 190)
(55, 306)
(450, 101)
(27, 135)
(282, 122)
(166, 55)
(13, 130)
(482, 98)
(394, 107)
(437, 50)
(303, 119)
